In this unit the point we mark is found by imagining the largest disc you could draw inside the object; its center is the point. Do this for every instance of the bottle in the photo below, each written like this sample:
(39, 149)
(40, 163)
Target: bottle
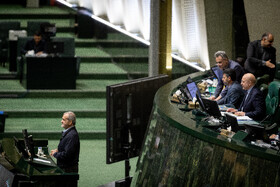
(215, 82)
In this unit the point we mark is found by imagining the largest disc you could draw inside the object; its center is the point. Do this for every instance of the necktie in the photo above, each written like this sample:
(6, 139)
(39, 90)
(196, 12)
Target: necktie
(244, 101)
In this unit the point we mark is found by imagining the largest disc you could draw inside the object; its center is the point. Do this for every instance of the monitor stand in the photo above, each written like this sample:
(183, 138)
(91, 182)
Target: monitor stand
(127, 180)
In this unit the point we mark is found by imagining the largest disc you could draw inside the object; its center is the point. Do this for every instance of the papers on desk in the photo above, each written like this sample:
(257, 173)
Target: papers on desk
(239, 118)
(243, 118)
(223, 108)
(42, 160)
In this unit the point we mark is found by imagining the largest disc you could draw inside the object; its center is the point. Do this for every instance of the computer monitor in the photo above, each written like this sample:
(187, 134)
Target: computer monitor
(198, 97)
(232, 121)
(211, 107)
(21, 148)
(256, 132)
(55, 48)
(29, 144)
(190, 88)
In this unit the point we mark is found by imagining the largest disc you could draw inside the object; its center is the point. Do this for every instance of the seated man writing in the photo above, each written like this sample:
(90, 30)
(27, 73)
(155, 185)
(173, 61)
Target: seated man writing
(35, 46)
(235, 93)
(253, 104)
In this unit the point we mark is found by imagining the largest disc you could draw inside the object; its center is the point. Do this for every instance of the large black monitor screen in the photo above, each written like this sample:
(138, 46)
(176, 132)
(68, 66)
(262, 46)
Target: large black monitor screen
(211, 108)
(55, 48)
(129, 107)
(192, 88)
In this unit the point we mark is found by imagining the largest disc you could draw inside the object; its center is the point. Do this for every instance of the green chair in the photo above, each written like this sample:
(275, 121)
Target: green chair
(272, 108)
(262, 84)
(262, 80)
(272, 98)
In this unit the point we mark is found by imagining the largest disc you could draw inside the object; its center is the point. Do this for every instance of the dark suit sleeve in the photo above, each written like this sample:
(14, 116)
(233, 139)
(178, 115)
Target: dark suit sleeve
(234, 96)
(69, 148)
(219, 88)
(239, 73)
(258, 111)
(221, 101)
(251, 58)
(273, 58)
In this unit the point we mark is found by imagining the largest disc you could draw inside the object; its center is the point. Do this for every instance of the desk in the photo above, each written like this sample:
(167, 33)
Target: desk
(50, 72)
(15, 171)
(12, 55)
(179, 150)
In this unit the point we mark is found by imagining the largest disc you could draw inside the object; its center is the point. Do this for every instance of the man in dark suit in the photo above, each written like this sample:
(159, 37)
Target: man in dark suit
(261, 57)
(223, 63)
(67, 153)
(253, 104)
(35, 46)
(235, 93)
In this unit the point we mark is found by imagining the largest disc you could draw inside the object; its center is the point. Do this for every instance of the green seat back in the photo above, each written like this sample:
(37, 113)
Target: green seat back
(272, 98)
(262, 80)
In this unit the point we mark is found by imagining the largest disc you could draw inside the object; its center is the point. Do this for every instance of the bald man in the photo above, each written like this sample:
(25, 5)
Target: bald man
(253, 104)
(261, 57)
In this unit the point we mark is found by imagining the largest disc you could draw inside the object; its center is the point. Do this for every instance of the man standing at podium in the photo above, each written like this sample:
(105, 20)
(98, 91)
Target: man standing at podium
(67, 153)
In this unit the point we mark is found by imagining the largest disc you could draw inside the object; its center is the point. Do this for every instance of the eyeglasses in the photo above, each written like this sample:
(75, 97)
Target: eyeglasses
(270, 41)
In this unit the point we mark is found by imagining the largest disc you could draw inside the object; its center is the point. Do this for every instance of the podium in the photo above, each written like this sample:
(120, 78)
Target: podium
(17, 171)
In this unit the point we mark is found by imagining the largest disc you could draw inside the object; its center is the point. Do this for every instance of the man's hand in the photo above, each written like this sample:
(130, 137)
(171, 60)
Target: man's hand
(269, 64)
(212, 98)
(218, 98)
(273, 136)
(231, 110)
(39, 53)
(53, 151)
(240, 113)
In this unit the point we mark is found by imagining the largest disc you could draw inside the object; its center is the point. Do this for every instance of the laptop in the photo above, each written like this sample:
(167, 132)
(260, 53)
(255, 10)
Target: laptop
(211, 107)
(232, 120)
(256, 132)
(190, 89)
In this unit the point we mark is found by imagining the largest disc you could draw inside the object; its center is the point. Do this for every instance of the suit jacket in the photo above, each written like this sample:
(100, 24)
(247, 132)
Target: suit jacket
(68, 149)
(254, 106)
(233, 96)
(256, 54)
(31, 45)
(239, 74)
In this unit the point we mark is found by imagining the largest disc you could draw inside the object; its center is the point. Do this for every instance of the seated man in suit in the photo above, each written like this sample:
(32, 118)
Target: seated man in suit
(35, 46)
(235, 93)
(253, 104)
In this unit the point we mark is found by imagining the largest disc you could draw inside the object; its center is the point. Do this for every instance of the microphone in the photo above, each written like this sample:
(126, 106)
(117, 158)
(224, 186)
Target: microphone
(268, 116)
